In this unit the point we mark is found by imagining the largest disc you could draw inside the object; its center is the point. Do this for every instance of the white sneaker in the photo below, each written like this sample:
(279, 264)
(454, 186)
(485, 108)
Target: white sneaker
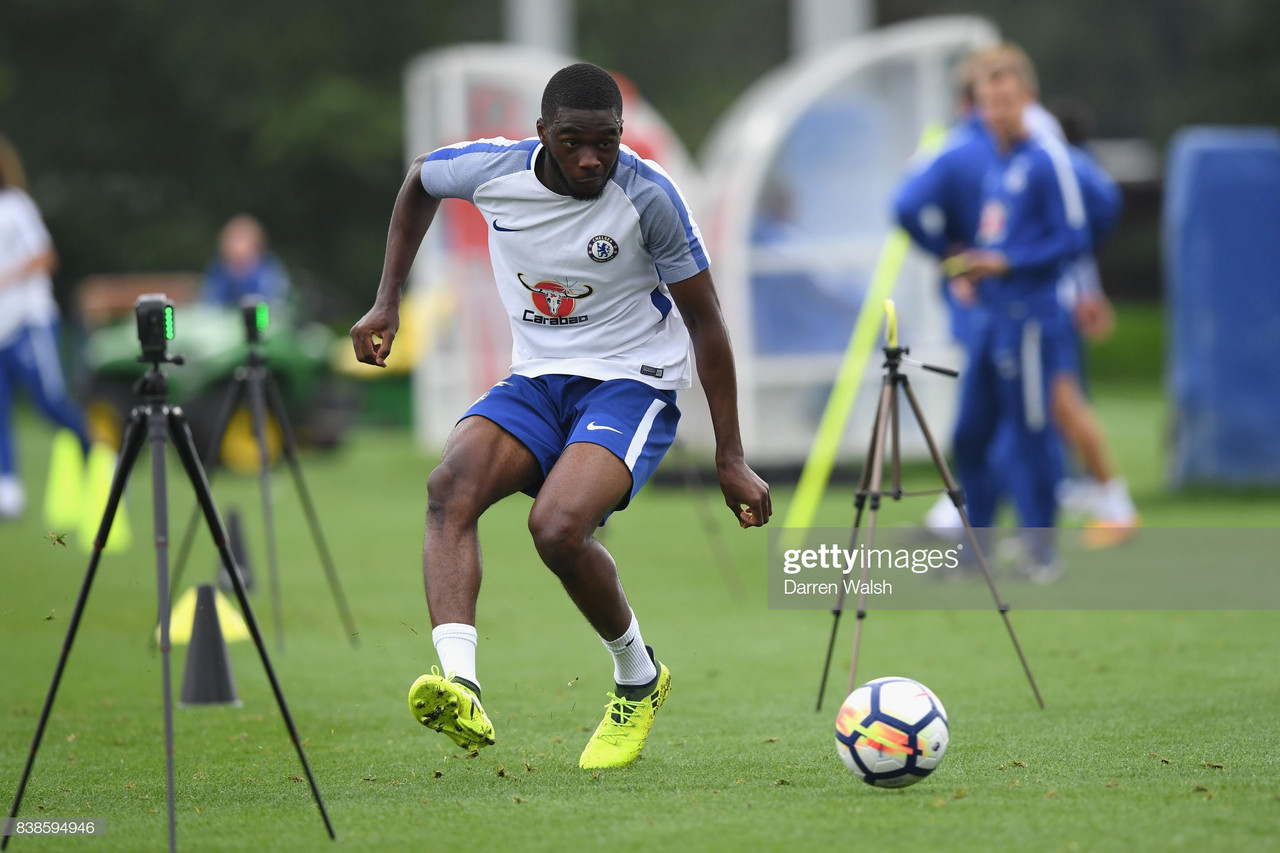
(1078, 495)
(1115, 518)
(13, 498)
(943, 518)
(1114, 505)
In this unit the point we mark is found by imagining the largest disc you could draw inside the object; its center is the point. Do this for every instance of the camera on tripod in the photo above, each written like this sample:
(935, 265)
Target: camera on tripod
(257, 317)
(158, 423)
(155, 326)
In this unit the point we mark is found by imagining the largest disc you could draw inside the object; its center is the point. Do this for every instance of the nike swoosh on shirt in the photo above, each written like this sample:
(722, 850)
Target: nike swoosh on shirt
(595, 426)
(497, 227)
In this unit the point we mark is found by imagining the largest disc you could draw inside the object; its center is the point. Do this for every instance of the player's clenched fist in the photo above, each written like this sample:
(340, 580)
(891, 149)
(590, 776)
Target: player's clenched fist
(380, 323)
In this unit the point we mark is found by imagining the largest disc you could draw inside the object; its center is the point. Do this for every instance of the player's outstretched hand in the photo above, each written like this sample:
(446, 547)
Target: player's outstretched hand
(744, 493)
(380, 323)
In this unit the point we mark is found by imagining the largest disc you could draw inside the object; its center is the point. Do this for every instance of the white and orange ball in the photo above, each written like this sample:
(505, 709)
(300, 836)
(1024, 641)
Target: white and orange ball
(892, 732)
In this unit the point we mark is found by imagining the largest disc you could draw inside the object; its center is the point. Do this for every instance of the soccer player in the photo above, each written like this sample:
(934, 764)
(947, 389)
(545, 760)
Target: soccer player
(28, 325)
(605, 282)
(1103, 494)
(938, 204)
(1031, 225)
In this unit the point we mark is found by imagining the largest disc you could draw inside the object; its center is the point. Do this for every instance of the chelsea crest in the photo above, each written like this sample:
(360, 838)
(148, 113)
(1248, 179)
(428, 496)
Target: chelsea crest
(602, 248)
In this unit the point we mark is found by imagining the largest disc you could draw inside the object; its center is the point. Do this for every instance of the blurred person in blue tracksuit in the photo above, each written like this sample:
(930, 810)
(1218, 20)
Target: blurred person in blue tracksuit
(1032, 223)
(938, 204)
(1101, 493)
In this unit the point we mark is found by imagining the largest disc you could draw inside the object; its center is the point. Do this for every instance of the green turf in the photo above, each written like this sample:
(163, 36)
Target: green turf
(1160, 729)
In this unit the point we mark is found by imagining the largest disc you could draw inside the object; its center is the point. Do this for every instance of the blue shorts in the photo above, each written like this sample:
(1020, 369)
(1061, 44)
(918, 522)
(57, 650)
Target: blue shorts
(635, 421)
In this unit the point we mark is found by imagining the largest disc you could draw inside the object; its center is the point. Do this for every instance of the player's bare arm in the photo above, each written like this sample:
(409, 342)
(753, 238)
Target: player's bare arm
(744, 492)
(414, 209)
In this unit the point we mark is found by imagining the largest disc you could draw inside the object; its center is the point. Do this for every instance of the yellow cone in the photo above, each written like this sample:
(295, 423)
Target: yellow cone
(97, 488)
(62, 496)
(183, 617)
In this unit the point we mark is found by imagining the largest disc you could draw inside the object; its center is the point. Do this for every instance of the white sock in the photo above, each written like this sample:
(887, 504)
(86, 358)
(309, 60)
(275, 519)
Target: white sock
(456, 645)
(1118, 503)
(632, 666)
(13, 499)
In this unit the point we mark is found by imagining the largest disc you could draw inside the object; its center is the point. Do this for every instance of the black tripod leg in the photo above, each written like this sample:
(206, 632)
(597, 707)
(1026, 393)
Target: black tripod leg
(258, 414)
(953, 489)
(888, 393)
(156, 433)
(131, 443)
(860, 502)
(839, 608)
(276, 405)
(183, 443)
(229, 403)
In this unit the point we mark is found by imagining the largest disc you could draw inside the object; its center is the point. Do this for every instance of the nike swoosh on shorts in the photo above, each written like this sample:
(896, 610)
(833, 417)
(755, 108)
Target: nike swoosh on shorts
(595, 426)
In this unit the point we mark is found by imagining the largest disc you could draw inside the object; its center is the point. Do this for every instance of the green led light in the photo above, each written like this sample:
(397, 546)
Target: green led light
(168, 322)
(262, 316)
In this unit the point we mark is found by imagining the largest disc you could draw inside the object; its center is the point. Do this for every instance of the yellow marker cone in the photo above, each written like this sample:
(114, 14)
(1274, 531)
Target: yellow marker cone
(64, 492)
(97, 488)
(183, 617)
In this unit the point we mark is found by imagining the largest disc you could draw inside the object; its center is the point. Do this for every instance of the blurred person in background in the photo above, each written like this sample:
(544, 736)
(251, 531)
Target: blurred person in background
(938, 204)
(794, 308)
(244, 266)
(1102, 494)
(1032, 224)
(29, 325)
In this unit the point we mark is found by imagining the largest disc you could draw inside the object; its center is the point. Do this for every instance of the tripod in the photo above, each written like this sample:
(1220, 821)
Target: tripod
(156, 420)
(254, 382)
(869, 495)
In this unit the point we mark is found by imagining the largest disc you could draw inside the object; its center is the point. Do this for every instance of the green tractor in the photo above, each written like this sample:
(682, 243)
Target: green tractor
(213, 342)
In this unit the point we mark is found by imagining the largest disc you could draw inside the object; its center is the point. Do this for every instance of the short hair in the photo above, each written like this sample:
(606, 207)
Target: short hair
(581, 86)
(11, 173)
(1006, 58)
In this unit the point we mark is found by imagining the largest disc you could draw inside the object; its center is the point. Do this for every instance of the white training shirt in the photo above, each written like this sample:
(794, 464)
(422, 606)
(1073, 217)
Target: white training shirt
(22, 236)
(584, 283)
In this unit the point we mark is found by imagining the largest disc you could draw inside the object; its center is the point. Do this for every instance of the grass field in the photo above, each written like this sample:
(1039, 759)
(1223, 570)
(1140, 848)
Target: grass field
(1160, 729)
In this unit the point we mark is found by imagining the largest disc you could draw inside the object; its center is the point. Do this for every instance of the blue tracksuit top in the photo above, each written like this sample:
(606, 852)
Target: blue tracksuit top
(1036, 220)
(1102, 200)
(937, 203)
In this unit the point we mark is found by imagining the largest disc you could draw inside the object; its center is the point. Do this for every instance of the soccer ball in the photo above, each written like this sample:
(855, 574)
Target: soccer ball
(892, 732)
